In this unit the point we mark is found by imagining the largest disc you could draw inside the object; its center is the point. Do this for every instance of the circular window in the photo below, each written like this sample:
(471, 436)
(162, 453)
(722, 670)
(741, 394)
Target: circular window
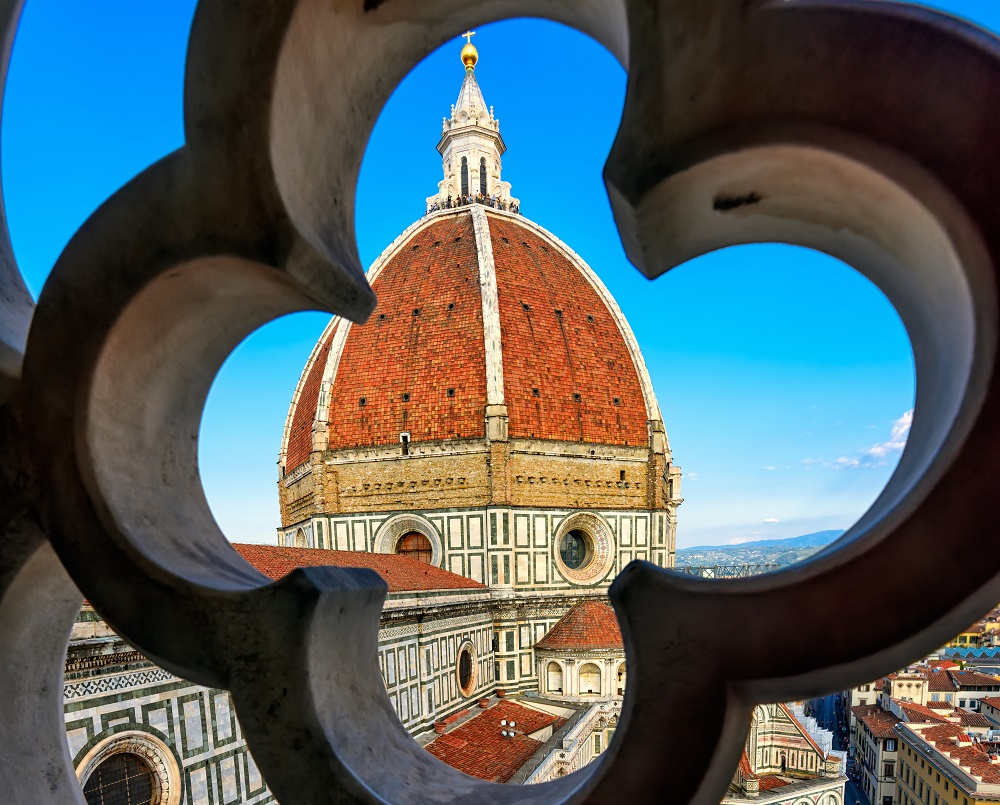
(415, 546)
(466, 669)
(583, 548)
(576, 549)
(122, 778)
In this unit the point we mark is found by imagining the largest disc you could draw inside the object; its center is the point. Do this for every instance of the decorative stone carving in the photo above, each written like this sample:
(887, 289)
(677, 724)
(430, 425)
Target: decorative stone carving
(744, 121)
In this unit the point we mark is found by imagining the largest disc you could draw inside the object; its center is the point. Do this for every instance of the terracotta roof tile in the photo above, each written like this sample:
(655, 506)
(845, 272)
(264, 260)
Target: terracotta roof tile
(917, 713)
(424, 337)
(588, 625)
(879, 722)
(975, 756)
(938, 680)
(399, 572)
(970, 679)
(770, 781)
(968, 719)
(478, 748)
(558, 336)
(942, 664)
(993, 701)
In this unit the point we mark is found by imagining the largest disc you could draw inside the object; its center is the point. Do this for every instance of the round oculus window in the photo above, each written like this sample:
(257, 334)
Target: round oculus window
(122, 779)
(583, 548)
(576, 549)
(466, 669)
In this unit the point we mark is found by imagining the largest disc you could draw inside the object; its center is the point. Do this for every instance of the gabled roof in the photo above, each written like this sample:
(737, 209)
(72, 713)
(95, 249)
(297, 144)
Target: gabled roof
(917, 713)
(967, 719)
(939, 681)
(479, 749)
(588, 625)
(993, 701)
(399, 572)
(879, 722)
(970, 679)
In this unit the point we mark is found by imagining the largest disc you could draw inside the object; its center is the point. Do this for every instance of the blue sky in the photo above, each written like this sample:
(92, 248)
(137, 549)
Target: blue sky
(784, 377)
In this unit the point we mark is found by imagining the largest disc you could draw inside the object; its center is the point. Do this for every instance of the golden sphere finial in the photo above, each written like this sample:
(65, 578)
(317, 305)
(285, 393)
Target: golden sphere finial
(470, 55)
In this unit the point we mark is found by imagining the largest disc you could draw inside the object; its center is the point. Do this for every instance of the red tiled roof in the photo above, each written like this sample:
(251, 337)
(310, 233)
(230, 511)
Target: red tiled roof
(974, 756)
(968, 719)
(770, 781)
(943, 664)
(967, 679)
(577, 350)
(425, 339)
(941, 706)
(917, 713)
(421, 354)
(938, 681)
(588, 625)
(399, 572)
(878, 721)
(993, 701)
(478, 748)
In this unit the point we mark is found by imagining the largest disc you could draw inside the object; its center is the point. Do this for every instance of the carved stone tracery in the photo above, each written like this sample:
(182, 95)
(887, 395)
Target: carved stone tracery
(745, 120)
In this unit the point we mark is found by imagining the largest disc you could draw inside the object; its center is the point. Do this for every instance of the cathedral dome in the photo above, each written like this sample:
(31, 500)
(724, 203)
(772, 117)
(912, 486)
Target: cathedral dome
(479, 310)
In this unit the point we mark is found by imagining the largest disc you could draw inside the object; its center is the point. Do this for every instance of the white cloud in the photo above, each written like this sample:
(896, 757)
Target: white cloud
(897, 438)
(875, 455)
(691, 476)
(771, 520)
(770, 468)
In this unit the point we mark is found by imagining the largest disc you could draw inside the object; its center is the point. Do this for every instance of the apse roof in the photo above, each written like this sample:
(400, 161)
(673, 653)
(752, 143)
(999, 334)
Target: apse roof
(479, 748)
(588, 625)
(401, 573)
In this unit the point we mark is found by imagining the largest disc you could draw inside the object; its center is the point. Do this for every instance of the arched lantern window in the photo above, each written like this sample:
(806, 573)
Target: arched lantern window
(482, 175)
(465, 176)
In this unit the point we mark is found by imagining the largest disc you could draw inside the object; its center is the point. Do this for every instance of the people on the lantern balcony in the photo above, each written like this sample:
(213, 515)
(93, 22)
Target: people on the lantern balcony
(468, 198)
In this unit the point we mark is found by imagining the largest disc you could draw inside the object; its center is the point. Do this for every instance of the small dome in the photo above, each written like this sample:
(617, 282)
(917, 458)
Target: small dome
(589, 626)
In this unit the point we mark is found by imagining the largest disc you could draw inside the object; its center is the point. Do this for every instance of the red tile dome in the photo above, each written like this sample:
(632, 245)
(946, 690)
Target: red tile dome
(476, 308)
(590, 625)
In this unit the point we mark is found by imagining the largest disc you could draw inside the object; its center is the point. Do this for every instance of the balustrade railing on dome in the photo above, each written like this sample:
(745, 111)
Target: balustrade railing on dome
(487, 201)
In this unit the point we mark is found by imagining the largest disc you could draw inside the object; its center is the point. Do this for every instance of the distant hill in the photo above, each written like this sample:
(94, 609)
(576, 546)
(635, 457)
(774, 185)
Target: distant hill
(765, 551)
(815, 540)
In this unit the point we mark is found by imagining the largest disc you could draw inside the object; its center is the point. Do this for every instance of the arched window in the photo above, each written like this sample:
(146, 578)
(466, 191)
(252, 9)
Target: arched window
(590, 680)
(416, 546)
(555, 678)
(465, 176)
(300, 539)
(621, 679)
(482, 175)
(122, 779)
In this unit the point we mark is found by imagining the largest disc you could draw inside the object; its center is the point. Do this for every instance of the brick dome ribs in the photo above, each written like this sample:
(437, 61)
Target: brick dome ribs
(560, 338)
(424, 338)
(419, 365)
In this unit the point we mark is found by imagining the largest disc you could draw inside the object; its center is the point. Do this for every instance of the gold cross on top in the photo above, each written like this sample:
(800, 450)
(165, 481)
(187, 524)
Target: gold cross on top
(468, 36)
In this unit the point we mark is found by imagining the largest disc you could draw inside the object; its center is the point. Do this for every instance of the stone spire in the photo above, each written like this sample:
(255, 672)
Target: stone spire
(471, 145)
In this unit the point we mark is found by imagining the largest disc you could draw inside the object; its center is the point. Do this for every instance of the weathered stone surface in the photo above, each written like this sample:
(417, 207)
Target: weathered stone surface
(863, 128)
